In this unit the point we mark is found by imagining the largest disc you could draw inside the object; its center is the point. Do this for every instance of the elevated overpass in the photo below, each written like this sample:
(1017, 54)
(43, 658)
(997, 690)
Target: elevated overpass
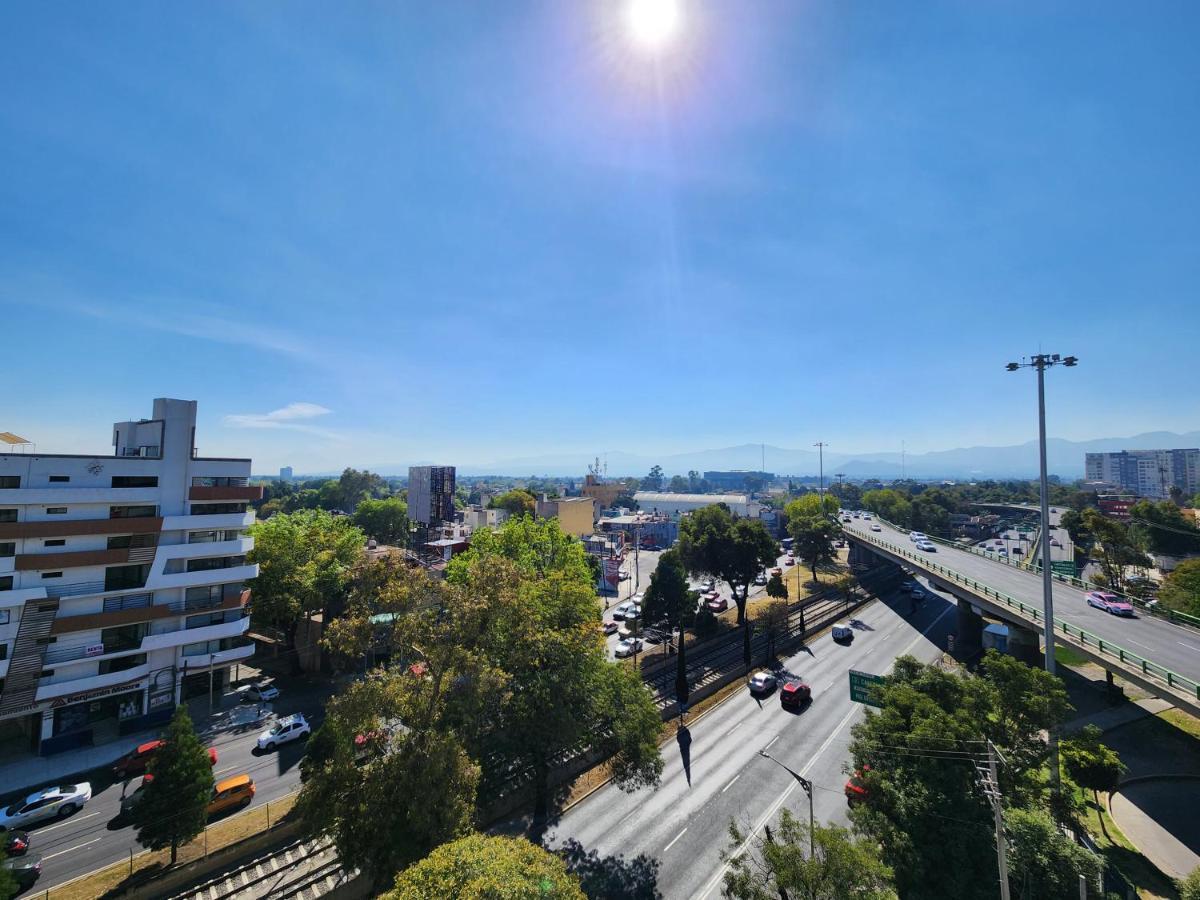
(1158, 656)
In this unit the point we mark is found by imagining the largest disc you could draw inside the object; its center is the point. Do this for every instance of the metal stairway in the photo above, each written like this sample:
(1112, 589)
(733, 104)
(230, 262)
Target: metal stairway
(29, 649)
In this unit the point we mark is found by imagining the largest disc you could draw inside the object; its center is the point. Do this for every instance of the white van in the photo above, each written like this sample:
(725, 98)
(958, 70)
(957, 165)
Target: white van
(842, 632)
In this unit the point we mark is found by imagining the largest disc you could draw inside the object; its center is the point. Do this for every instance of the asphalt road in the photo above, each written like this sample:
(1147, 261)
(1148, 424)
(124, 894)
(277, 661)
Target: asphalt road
(1011, 541)
(1171, 646)
(714, 775)
(95, 836)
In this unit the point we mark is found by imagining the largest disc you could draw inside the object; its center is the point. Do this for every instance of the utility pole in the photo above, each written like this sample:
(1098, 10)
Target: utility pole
(1041, 362)
(991, 789)
(821, 445)
(903, 456)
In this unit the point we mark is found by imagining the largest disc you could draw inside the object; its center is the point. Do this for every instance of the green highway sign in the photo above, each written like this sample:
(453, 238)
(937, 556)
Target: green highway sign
(860, 686)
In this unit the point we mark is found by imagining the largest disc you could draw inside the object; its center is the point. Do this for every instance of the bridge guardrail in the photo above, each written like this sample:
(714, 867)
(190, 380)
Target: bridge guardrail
(1148, 667)
(1174, 616)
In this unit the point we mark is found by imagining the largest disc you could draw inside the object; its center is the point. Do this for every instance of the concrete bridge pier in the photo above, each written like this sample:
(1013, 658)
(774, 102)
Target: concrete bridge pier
(969, 637)
(1025, 644)
(861, 556)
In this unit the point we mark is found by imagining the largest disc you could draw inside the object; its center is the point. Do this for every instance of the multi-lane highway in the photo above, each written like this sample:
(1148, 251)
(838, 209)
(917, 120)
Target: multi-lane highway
(1174, 647)
(713, 771)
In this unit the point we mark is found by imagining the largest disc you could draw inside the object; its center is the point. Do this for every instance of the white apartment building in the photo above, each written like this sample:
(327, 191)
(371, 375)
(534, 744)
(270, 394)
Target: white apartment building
(676, 505)
(122, 582)
(1146, 473)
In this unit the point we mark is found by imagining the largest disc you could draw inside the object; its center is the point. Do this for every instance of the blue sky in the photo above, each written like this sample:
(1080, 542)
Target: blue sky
(374, 233)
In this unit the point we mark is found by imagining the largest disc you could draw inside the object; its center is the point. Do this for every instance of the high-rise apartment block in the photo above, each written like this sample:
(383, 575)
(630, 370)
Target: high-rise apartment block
(431, 494)
(285, 473)
(122, 582)
(1147, 473)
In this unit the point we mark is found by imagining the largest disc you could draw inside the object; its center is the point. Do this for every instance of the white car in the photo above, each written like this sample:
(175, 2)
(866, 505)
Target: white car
(866, 517)
(627, 647)
(927, 546)
(623, 610)
(761, 682)
(290, 728)
(916, 536)
(48, 803)
(261, 692)
(623, 575)
(875, 527)
(760, 579)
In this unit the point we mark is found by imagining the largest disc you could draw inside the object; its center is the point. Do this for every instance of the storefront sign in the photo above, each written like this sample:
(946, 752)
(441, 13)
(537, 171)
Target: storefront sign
(96, 694)
(93, 650)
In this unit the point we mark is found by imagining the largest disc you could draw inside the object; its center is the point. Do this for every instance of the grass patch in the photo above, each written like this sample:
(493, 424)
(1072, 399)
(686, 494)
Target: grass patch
(1069, 656)
(1147, 878)
(1185, 722)
(217, 836)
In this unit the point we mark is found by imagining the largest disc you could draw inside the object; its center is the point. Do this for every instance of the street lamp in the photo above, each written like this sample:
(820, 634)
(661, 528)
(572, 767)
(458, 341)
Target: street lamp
(808, 789)
(1041, 362)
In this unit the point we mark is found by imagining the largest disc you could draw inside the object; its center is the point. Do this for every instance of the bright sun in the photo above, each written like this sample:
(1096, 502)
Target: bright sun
(653, 22)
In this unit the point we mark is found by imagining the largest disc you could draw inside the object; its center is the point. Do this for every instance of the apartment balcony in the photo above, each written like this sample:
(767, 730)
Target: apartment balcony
(78, 559)
(181, 636)
(204, 523)
(21, 596)
(52, 688)
(246, 493)
(131, 609)
(200, 579)
(52, 528)
(221, 658)
(64, 496)
(89, 650)
(199, 550)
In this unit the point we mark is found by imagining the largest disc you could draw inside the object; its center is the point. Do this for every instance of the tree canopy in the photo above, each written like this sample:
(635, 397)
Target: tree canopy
(653, 481)
(1181, 589)
(173, 807)
(479, 867)
(516, 502)
(1162, 528)
(384, 520)
(1044, 862)
(812, 540)
(713, 542)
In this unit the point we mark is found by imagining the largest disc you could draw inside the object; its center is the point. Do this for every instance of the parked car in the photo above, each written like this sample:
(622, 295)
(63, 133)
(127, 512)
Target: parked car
(794, 693)
(842, 632)
(627, 631)
(25, 869)
(231, 793)
(15, 842)
(1110, 603)
(777, 571)
(707, 584)
(261, 692)
(762, 682)
(60, 801)
(137, 760)
(790, 561)
(610, 627)
(288, 729)
(760, 579)
(627, 647)
(717, 604)
(623, 610)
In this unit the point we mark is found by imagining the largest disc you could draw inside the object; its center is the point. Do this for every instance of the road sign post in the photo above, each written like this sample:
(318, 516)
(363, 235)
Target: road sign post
(860, 687)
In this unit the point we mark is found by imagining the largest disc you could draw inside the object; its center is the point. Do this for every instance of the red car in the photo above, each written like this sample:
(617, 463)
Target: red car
(137, 760)
(717, 604)
(795, 694)
(856, 788)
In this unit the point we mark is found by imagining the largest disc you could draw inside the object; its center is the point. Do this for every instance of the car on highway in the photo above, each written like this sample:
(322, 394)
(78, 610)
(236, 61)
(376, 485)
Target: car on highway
(14, 843)
(875, 527)
(794, 694)
(915, 536)
(48, 803)
(231, 793)
(137, 760)
(24, 869)
(1000, 551)
(1110, 603)
(609, 627)
(790, 561)
(288, 729)
(1054, 542)
(866, 517)
(627, 647)
(717, 604)
(857, 515)
(762, 682)
(842, 632)
(260, 692)
(927, 546)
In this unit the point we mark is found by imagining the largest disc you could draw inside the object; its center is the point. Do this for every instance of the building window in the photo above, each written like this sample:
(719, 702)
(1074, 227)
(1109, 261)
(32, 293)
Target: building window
(8, 515)
(217, 509)
(59, 479)
(217, 618)
(121, 578)
(203, 537)
(214, 562)
(132, 512)
(56, 510)
(52, 574)
(4, 650)
(134, 481)
(8, 548)
(4, 616)
(123, 541)
(121, 663)
(6, 582)
(54, 542)
(10, 481)
(217, 481)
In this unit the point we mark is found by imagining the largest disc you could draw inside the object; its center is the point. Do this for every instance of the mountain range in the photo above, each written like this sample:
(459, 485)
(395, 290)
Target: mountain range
(1064, 458)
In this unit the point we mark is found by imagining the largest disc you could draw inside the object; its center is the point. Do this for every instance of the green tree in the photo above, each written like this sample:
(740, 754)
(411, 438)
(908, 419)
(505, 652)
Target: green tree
(1189, 888)
(1163, 528)
(516, 502)
(679, 485)
(305, 560)
(1044, 862)
(773, 621)
(1092, 764)
(653, 481)
(713, 542)
(1114, 548)
(849, 495)
(890, 505)
(841, 867)
(776, 588)
(479, 867)
(538, 548)
(354, 486)
(1181, 589)
(625, 501)
(384, 520)
(415, 787)
(812, 539)
(669, 598)
(809, 506)
(174, 805)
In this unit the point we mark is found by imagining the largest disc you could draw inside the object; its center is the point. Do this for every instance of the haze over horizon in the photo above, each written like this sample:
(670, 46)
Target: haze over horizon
(358, 234)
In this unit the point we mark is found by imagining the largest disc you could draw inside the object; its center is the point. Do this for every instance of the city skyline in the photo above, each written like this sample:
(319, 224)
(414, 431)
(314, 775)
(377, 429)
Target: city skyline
(362, 236)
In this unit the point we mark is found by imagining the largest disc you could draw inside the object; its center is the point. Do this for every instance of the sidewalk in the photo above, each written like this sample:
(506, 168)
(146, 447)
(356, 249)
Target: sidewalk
(1108, 719)
(228, 716)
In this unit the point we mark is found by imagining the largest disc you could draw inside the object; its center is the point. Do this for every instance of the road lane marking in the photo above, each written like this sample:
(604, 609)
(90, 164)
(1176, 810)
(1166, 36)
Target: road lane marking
(1189, 646)
(674, 839)
(630, 814)
(728, 786)
(72, 849)
(1139, 643)
(733, 729)
(226, 769)
(770, 742)
(67, 822)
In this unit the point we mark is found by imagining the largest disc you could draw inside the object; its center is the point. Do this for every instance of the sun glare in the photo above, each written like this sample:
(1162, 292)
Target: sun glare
(654, 23)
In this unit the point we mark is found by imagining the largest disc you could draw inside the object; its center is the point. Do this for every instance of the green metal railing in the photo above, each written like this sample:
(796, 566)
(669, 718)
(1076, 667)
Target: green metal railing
(1148, 668)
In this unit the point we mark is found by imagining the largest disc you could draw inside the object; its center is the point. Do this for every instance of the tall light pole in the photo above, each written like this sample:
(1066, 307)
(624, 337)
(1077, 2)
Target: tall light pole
(808, 789)
(821, 445)
(1041, 362)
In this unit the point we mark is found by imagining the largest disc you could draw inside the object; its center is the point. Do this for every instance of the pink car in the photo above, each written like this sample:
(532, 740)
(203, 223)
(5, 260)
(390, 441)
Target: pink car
(1110, 603)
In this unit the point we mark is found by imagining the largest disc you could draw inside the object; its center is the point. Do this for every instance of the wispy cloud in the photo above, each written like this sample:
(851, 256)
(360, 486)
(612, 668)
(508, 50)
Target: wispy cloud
(290, 417)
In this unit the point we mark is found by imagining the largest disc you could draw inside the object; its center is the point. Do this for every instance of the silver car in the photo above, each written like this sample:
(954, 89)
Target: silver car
(47, 803)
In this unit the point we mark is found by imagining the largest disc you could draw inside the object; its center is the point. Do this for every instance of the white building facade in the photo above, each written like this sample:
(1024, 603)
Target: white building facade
(122, 582)
(1146, 473)
(675, 505)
